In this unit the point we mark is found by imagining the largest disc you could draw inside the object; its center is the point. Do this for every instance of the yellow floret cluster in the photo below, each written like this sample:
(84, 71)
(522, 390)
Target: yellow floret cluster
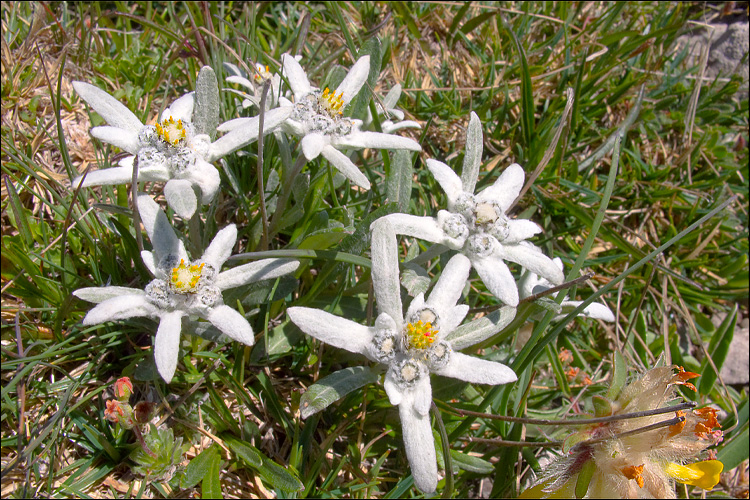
(420, 335)
(331, 102)
(185, 278)
(171, 131)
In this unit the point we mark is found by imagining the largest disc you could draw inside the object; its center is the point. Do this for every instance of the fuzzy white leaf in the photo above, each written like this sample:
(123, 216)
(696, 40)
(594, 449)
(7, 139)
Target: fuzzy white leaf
(344, 165)
(476, 371)
(181, 197)
(221, 247)
(255, 271)
(113, 111)
(167, 344)
(420, 446)
(332, 330)
(98, 294)
(231, 323)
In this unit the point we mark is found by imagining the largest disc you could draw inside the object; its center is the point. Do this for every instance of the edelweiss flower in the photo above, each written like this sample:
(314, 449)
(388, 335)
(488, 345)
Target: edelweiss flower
(639, 465)
(317, 117)
(412, 345)
(175, 150)
(254, 83)
(476, 225)
(389, 109)
(531, 284)
(182, 287)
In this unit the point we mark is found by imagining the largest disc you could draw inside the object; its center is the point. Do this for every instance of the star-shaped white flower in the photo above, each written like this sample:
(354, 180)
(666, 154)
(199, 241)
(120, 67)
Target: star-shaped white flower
(412, 345)
(531, 284)
(181, 288)
(476, 224)
(317, 118)
(254, 83)
(172, 151)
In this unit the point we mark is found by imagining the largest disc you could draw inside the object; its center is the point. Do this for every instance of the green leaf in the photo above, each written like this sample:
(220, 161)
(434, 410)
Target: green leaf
(323, 239)
(280, 342)
(352, 244)
(457, 19)
(97, 437)
(206, 110)
(199, 467)
(408, 18)
(249, 454)
(558, 370)
(362, 100)
(334, 387)
(282, 478)
(398, 182)
(718, 349)
(473, 154)
(549, 305)
(735, 451)
(621, 131)
(527, 98)
(211, 485)
(584, 478)
(602, 406)
(476, 331)
(19, 215)
(471, 463)
(260, 291)
(619, 374)
(476, 21)
(415, 279)
(573, 440)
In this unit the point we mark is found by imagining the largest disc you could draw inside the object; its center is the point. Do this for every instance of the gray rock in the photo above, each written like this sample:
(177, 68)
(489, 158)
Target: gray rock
(736, 368)
(729, 45)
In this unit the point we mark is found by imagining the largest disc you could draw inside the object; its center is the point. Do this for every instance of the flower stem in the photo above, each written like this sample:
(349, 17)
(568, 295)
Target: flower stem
(552, 444)
(587, 421)
(139, 436)
(657, 425)
(448, 491)
(134, 198)
(550, 291)
(261, 191)
(286, 190)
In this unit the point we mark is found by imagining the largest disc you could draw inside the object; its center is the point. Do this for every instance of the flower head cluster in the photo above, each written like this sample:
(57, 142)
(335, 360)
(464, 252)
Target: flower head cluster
(632, 464)
(254, 82)
(477, 225)
(411, 345)
(317, 117)
(119, 411)
(175, 150)
(181, 287)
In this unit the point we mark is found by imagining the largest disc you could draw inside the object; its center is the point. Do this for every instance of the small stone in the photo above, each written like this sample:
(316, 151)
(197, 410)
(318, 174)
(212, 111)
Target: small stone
(736, 368)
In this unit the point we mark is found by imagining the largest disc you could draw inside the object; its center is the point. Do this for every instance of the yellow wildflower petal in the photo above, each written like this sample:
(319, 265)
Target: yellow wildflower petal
(566, 490)
(701, 474)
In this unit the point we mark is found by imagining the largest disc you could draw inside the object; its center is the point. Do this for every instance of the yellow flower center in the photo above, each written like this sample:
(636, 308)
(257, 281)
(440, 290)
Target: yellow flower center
(172, 132)
(420, 335)
(331, 103)
(261, 73)
(185, 278)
